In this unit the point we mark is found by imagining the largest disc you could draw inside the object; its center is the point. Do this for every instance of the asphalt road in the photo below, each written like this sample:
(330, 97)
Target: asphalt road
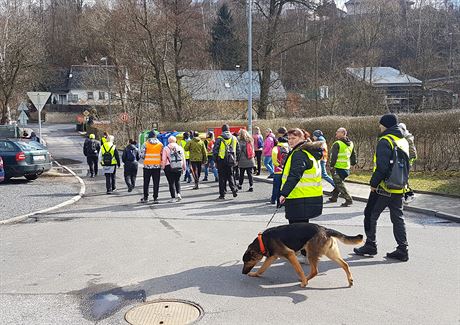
(91, 262)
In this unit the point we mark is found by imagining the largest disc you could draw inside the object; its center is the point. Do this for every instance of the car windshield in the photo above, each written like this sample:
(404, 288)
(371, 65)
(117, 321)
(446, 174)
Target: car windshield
(30, 145)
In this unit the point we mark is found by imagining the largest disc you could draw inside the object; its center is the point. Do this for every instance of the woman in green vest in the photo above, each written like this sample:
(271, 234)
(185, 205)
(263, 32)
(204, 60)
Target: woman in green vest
(301, 189)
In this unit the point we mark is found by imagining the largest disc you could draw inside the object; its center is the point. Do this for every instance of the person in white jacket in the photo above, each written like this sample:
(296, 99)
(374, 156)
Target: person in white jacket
(173, 153)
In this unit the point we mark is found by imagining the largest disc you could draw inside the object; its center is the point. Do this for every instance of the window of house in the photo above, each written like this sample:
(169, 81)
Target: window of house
(90, 95)
(102, 95)
(73, 98)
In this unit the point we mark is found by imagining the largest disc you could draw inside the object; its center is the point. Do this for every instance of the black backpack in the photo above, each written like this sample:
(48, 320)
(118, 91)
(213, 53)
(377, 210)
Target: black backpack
(398, 177)
(130, 154)
(107, 157)
(230, 154)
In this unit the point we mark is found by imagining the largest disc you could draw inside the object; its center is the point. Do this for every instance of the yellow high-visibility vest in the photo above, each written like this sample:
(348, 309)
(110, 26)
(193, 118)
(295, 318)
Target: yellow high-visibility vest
(310, 183)
(343, 156)
(224, 143)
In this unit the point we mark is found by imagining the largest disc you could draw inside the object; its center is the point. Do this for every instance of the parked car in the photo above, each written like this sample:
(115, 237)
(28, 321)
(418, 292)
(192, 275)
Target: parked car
(24, 158)
(2, 171)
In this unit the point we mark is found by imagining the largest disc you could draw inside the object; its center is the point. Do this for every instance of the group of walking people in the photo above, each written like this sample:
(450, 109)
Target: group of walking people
(295, 159)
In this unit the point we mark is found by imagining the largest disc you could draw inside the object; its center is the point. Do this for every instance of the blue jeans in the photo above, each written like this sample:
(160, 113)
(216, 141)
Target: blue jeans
(276, 188)
(324, 174)
(211, 164)
(269, 164)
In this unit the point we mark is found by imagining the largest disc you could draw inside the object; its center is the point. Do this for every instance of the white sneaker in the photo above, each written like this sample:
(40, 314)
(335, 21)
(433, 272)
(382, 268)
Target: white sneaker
(171, 200)
(409, 199)
(179, 198)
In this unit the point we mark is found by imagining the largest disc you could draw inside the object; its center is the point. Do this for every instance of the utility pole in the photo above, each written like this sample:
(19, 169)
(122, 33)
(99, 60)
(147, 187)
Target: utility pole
(250, 66)
(108, 86)
(450, 55)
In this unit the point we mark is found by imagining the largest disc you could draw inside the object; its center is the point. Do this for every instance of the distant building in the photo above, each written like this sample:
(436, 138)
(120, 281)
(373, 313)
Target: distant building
(401, 91)
(367, 7)
(224, 93)
(89, 85)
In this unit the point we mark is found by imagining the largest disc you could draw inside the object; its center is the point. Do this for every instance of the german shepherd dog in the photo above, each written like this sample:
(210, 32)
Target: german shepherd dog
(285, 241)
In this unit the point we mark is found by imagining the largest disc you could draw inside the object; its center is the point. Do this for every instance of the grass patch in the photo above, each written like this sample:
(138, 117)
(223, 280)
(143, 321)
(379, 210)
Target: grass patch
(441, 182)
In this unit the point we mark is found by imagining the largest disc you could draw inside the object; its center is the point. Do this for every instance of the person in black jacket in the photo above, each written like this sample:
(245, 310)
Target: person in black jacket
(382, 197)
(91, 150)
(301, 205)
(130, 158)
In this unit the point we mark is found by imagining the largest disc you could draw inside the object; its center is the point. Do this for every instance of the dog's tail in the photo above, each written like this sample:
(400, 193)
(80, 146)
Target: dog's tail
(349, 240)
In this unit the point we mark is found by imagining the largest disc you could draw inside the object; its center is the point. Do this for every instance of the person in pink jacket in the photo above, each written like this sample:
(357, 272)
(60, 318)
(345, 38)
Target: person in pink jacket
(269, 143)
(175, 154)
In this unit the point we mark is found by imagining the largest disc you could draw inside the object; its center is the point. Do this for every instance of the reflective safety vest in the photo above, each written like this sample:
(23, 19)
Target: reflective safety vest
(152, 153)
(108, 147)
(310, 183)
(182, 143)
(344, 154)
(403, 145)
(228, 142)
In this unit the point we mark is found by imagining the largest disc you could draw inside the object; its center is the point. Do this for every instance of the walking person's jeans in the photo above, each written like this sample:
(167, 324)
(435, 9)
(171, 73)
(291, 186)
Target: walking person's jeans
(324, 174)
(276, 189)
(130, 173)
(188, 175)
(110, 180)
(92, 164)
(259, 160)
(225, 175)
(210, 164)
(173, 181)
(153, 173)
(269, 164)
(249, 173)
(196, 172)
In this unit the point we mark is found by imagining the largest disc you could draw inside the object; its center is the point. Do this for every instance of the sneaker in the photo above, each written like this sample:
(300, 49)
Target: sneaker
(221, 198)
(205, 179)
(270, 176)
(189, 180)
(130, 189)
(365, 250)
(251, 189)
(346, 203)
(155, 201)
(179, 198)
(235, 193)
(239, 187)
(409, 199)
(172, 200)
(332, 199)
(399, 254)
(109, 192)
(114, 189)
(216, 180)
(91, 176)
(144, 200)
(272, 202)
(195, 187)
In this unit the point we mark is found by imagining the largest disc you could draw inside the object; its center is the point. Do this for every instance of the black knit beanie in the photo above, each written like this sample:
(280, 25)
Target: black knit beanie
(389, 120)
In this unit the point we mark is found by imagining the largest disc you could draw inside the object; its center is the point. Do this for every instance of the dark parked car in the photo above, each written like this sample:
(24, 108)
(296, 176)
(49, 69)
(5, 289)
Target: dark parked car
(24, 158)
(2, 171)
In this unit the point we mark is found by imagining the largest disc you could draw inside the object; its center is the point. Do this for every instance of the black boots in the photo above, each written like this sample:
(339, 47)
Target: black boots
(335, 195)
(400, 254)
(367, 249)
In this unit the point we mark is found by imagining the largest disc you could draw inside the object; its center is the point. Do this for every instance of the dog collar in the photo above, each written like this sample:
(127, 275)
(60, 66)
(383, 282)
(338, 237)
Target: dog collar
(261, 244)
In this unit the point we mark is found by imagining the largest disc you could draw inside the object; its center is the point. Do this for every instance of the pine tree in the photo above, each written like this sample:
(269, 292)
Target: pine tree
(225, 48)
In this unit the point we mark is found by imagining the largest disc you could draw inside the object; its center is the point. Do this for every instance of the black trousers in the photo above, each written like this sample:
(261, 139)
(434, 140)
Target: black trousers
(195, 169)
(259, 161)
(153, 174)
(375, 206)
(225, 175)
(92, 164)
(173, 181)
(110, 184)
(249, 173)
(130, 174)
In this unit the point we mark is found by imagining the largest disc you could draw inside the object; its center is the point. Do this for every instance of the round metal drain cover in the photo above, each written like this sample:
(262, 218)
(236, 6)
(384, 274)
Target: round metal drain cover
(164, 312)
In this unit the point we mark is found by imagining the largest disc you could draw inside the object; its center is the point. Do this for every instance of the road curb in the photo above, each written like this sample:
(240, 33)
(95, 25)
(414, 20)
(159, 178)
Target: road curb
(437, 214)
(77, 197)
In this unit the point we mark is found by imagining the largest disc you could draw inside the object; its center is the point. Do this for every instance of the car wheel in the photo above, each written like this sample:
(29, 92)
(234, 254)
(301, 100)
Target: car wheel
(31, 177)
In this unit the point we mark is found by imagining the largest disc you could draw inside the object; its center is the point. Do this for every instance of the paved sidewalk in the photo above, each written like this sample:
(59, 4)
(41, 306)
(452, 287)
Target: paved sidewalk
(435, 205)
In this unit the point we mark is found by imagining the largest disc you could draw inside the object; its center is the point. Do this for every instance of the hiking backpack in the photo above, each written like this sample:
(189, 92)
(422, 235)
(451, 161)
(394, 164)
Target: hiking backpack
(230, 154)
(250, 150)
(130, 155)
(175, 160)
(107, 157)
(282, 156)
(398, 177)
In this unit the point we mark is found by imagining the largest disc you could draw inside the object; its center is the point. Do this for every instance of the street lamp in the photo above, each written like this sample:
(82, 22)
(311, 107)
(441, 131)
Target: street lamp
(108, 86)
(250, 66)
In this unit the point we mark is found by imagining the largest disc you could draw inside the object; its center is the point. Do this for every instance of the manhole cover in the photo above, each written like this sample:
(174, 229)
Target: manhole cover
(164, 312)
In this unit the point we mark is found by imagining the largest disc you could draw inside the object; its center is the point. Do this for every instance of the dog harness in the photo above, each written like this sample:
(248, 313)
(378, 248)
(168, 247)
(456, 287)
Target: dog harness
(261, 244)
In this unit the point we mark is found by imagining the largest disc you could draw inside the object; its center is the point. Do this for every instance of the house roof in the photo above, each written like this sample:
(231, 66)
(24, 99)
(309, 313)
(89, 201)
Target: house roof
(227, 85)
(91, 77)
(384, 76)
